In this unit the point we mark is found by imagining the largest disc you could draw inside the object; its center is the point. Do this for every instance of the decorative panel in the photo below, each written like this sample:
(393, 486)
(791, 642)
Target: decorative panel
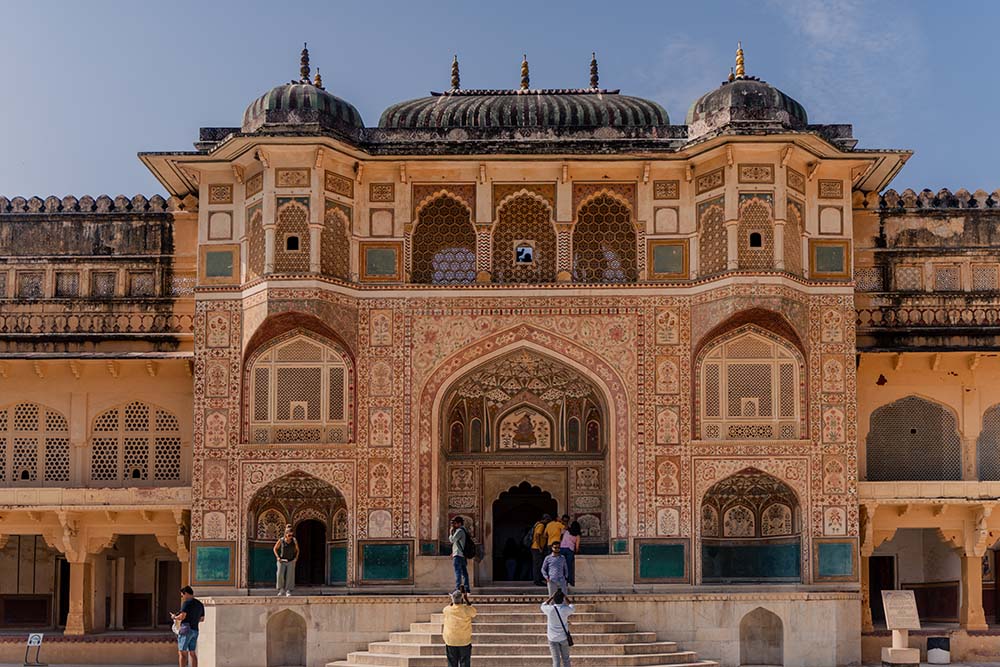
(666, 189)
(662, 561)
(340, 185)
(386, 561)
(710, 181)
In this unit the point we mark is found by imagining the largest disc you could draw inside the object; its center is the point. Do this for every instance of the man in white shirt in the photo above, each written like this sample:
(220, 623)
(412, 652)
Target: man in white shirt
(558, 610)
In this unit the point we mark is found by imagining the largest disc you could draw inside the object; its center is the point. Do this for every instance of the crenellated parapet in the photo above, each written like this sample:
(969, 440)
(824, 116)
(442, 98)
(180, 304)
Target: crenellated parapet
(908, 200)
(101, 204)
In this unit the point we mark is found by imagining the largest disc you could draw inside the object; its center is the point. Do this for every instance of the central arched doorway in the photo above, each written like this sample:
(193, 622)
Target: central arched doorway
(317, 513)
(514, 514)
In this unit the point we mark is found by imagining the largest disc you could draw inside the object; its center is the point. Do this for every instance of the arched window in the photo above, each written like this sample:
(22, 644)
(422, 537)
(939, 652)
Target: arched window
(756, 232)
(444, 244)
(255, 241)
(301, 390)
(749, 388)
(712, 243)
(336, 242)
(794, 224)
(988, 445)
(293, 226)
(135, 444)
(34, 445)
(524, 242)
(913, 439)
(604, 243)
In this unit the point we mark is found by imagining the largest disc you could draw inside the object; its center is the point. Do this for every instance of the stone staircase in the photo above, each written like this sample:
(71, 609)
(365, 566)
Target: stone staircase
(513, 635)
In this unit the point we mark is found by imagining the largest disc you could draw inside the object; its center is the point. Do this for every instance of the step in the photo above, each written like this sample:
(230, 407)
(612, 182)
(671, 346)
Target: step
(508, 607)
(528, 616)
(537, 659)
(536, 627)
(525, 638)
(526, 649)
(478, 663)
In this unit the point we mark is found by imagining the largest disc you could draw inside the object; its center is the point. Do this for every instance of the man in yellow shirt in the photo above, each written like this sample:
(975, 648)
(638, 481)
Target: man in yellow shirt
(539, 548)
(458, 630)
(553, 534)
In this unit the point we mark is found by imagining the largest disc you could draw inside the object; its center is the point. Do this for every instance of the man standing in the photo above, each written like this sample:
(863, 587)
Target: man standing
(458, 537)
(286, 552)
(553, 533)
(557, 611)
(186, 621)
(457, 631)
(556, 571)
(539, 547)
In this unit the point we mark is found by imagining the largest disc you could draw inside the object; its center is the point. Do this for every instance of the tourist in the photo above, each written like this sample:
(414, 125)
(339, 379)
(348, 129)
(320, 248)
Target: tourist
(286, 552)
(458, 629)
(557, 611)
(186, 627)
(568, 547)
(538, 548)
(555, 571)
(510, 555)
(457, 537)
(554, 530)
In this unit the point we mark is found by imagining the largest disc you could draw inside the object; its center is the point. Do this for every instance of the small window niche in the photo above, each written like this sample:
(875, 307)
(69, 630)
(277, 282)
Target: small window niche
(756, 240)
(292, 243)
(524, 253)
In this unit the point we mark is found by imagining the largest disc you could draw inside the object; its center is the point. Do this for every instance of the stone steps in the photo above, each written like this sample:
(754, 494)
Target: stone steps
(512, 634)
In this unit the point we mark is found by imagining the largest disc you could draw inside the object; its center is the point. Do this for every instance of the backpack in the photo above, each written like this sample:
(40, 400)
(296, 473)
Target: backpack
(469, 550)
(529, 537)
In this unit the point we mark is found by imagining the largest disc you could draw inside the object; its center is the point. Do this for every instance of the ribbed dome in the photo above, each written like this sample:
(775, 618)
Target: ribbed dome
(536, 109)
(744, 99)
(301, 104)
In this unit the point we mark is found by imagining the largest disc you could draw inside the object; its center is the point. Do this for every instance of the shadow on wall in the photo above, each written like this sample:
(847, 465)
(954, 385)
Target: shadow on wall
(761, 639)
(286, 640)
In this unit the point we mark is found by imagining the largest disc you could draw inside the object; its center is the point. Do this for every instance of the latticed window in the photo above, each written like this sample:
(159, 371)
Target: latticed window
(300, 392)
(444, 244)
(988, 446)
(293, 225)
(756, 232)
(947, 278)
(712, 246)
(34, 445)
(604, 243)
(336, 243)
(750, 389)
(794, 225)
(135, 444)
(255, 242)
(524, 242)
(913, 439)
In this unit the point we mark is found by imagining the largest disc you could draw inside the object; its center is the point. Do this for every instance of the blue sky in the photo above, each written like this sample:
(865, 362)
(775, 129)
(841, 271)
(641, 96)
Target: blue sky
(87, 85)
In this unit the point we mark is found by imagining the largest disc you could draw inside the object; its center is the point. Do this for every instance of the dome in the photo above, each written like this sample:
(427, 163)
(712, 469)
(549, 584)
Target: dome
(302, 102)
(744, 99)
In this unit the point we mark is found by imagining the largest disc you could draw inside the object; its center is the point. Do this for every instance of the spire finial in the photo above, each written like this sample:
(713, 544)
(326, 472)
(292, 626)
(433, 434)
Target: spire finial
(740, 71)
(318, 81)
(525, 80)
(304, 64)
(594, 79)
(732, 77)
(455, 80)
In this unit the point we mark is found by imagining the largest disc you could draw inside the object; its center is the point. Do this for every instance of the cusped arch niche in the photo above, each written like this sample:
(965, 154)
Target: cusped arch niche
(521, 401)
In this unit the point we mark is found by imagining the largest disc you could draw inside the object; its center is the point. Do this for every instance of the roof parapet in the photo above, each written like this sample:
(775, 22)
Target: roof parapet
(927, 199)
(102, 204)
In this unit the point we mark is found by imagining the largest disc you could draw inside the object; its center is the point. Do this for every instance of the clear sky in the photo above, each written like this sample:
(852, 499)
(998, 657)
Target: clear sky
(87, 85)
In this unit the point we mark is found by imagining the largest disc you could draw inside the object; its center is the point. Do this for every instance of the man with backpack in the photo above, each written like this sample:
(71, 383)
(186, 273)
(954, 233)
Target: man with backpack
(539, 548)
(462, 549)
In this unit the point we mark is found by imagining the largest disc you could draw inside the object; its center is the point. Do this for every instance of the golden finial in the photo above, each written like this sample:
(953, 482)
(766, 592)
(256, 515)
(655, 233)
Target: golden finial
(740, 71)
(525, 81)
(594, 80)
(455, 81)
(318, 81)
(732, 77)
(304, 64)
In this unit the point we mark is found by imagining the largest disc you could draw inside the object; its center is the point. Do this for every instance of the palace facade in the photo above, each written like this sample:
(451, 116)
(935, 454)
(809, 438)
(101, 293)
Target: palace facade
(756, 378)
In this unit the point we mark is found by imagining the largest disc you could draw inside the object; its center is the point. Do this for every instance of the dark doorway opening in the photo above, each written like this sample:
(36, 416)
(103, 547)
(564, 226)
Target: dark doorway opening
(168, 583)
(310, 569)
(63, 592)
(881, 577)
(514, 513)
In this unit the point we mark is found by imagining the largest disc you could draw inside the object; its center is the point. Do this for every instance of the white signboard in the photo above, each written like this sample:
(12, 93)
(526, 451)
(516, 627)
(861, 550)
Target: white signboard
(35, 639)
(900, 610)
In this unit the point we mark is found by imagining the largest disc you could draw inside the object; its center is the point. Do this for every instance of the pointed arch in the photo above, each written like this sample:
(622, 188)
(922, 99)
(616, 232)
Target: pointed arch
(286, 639)
(335, 258)
(605, 240)
(713, 251)
(135, 444)
(755, 232)
(913, 439)
(443, 242)
(292, 219)
(762, 639)
(524, 240)
(34, 445)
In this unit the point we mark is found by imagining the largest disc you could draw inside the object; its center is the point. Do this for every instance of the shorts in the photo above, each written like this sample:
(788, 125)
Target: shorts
(187, 642)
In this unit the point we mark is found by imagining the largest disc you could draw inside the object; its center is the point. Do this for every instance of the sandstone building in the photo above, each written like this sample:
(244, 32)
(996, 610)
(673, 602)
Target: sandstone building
(758, 380)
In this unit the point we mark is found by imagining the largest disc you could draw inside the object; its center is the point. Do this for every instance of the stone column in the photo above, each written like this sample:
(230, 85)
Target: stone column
(866, 598)
(315, 246)
(971, 616)
(564, 251)
(81, 595)
(269, 233)
(484, 253)
(779, 245)
(732, 245)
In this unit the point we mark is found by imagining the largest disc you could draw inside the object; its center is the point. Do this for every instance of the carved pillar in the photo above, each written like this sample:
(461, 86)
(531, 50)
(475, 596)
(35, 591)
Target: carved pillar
(971, 616)
(564, 251)
(269, 232)
(866, 599)
(81, 575)
(315, 249)
(779, 245)
(484, 254)
(732, 245)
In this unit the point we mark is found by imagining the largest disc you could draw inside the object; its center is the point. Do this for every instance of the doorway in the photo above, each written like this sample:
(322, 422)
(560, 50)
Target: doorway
(881, 577)
(168, 582)
(310, 570)
(514, 514)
